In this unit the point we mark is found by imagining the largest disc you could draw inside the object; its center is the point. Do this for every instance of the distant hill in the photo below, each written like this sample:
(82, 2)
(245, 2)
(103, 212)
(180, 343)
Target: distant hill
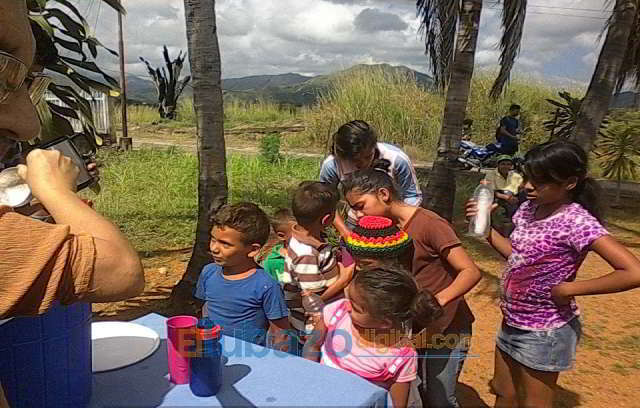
(296, 89)
(259, 82)
(291, 88)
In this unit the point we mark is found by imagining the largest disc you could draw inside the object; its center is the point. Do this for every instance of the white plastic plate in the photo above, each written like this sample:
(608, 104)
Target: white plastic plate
(120, 344)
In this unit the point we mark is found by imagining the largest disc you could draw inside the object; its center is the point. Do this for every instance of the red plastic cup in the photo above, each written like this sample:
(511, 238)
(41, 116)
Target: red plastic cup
(180, 337)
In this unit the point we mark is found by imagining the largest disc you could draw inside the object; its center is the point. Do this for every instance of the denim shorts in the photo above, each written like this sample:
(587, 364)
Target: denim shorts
(552, 350)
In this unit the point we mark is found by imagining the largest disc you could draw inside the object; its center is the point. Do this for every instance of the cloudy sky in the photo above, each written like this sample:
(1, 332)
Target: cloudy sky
(321, 36)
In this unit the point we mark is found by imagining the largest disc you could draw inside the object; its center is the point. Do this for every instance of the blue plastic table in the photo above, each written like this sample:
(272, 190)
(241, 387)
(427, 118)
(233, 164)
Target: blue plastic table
(253, 376)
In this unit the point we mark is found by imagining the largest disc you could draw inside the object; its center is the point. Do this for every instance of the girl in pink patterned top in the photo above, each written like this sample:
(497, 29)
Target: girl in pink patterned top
(554, 230)
(368, 333)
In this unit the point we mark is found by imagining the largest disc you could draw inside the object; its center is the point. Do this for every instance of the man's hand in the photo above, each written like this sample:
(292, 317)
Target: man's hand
(48, 173)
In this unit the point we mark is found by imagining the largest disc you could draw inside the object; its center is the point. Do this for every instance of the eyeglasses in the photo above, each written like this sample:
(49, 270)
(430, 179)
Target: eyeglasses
(13, 73)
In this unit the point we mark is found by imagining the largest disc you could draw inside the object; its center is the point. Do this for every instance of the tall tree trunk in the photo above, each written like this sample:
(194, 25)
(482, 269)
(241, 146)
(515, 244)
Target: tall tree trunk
(204, 56)
(441, 188)
(598, 98)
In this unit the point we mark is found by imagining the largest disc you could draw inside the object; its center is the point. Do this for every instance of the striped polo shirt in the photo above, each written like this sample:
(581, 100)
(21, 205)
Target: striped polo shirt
(309, 265)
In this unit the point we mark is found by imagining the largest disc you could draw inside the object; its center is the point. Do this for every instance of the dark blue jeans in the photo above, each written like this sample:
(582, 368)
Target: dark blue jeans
(440, 366)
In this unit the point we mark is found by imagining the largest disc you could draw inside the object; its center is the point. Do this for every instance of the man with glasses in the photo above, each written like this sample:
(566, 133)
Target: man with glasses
(83, 257)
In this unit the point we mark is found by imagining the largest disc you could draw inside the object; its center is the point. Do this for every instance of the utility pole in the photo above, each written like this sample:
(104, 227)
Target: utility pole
(125, 141)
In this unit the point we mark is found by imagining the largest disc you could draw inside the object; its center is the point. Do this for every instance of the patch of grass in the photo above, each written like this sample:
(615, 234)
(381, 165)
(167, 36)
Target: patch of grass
(152, 194)
(631, 342)
(261, 113)
(236, 113)
(620, 369)
(528, 92)
(409, 116)
(401, 111)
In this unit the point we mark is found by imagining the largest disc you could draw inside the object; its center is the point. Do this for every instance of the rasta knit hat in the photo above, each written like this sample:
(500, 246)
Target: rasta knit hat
(377, 237)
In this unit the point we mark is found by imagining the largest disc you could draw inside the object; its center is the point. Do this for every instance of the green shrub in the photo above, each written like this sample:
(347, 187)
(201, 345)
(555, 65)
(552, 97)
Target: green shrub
(270, 147)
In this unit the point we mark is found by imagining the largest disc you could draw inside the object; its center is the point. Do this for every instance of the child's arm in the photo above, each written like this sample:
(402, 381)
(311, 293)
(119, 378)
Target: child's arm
(205, 311)
(344, 277)
(626, 274)
(400, 394)
(500, 243)
(312, 349)
(468, 275)
(341, 227)
(278, 330)
(495, 239)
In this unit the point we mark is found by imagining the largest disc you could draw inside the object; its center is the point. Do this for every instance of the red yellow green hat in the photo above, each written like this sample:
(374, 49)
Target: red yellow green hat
(377, 237)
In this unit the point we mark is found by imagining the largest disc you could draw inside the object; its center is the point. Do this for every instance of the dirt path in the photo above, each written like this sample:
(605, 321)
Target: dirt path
(608, 360)
(191, 147)
(234, 146)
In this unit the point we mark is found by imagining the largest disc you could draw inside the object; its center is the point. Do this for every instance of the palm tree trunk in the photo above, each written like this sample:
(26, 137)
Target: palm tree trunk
(204, 56)
(441, 187)
(598, 98)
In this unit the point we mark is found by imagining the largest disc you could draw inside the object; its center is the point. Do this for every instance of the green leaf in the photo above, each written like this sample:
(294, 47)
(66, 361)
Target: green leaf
(93, 41)
(43, 23)
(117, 5)
(70, 45)
(74, 10)
(64, 111)
(73, 29)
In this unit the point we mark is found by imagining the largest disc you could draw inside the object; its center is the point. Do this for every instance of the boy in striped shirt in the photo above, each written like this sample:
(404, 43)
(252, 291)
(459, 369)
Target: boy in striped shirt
(310, 262)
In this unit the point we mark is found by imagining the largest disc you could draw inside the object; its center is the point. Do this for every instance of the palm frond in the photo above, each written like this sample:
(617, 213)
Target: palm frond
(57, 31)
(438, 22)
(116, 5)
(513, 17)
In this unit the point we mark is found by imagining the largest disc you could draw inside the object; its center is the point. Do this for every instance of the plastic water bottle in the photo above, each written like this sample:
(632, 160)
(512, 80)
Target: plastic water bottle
(312, 303)
(480, 225)
(206, 364)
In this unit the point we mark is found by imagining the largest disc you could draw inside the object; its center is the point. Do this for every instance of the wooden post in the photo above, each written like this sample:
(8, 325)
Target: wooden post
(125, 141)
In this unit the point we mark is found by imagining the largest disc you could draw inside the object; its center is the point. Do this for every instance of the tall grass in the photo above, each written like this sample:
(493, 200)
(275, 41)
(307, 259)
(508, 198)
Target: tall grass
(259, 112)
(394, 103)
(137, 115)
(409, 116)
(530, 93)
(236, 113)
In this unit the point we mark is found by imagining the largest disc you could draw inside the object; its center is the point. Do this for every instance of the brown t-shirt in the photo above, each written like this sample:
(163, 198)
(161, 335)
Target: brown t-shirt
(41, 263)
(432, 236)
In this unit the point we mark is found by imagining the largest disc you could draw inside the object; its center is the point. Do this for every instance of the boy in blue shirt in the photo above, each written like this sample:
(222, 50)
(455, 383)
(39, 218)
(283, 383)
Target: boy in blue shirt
(238, 294)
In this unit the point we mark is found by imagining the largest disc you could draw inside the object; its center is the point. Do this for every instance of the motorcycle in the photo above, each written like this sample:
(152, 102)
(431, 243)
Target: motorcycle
(473, 155)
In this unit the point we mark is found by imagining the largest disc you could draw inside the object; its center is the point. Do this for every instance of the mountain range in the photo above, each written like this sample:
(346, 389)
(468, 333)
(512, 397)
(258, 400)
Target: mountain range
(301, 90)
(286, 89)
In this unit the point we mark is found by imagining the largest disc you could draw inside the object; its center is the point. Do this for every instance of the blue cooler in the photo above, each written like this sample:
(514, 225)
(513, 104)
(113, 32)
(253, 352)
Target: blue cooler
(45, 361)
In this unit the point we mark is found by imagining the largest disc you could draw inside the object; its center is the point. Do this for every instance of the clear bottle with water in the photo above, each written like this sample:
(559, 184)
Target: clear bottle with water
(312, 304)
(480, 224)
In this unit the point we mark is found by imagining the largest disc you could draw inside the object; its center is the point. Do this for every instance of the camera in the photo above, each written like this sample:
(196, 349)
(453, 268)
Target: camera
(79, 149)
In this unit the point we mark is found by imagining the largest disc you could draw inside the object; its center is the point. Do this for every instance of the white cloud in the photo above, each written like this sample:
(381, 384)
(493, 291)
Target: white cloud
(590, 59)
(320, 36)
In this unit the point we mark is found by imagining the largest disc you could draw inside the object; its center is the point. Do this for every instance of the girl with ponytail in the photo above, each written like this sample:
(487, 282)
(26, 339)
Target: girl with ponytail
(369, 333)
(554, 230)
